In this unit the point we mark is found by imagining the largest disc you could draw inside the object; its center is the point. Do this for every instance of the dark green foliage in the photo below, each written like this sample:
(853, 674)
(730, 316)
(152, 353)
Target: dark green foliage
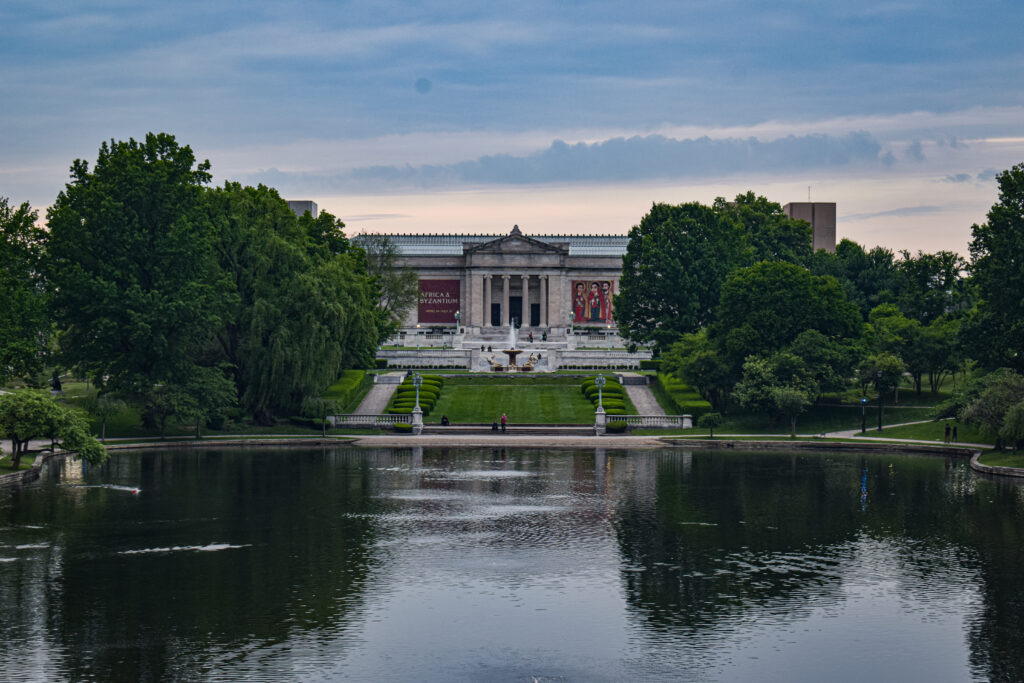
(653, 364)
(675, 264)
(130, 264)
(616, 427)
(27, 415)
(710, 421)
(297, 303)
(349, 389)
(995, 331)
(24, 320)
(767, 306)
(402, 427)
(869, 278)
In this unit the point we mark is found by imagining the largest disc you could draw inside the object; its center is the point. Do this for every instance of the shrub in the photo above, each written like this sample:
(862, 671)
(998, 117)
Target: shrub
(616, 427)
(380, 363)
(613, 404)
(349, 388)
(402, 427)
(650, 364)
(614, 411)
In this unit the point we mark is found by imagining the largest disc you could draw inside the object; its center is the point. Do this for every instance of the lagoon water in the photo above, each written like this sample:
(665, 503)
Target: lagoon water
(518, 565)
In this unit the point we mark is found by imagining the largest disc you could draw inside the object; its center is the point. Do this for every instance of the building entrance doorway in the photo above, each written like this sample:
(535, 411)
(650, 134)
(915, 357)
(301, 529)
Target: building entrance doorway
(534, 315)
(515, 309)
(495, 315)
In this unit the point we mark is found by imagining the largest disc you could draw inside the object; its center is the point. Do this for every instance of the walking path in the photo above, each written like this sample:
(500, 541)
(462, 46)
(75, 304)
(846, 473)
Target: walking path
(643, 398)
(378, 397)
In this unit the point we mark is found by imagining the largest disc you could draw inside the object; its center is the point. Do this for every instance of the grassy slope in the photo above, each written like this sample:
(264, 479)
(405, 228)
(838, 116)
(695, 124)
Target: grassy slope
(536, 398)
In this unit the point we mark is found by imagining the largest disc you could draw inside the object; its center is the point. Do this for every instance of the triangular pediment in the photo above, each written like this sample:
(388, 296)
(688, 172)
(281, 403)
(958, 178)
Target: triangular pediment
(514, 243)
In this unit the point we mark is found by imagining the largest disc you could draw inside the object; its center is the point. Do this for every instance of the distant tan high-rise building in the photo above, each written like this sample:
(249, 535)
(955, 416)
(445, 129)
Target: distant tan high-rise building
(821, 216)
(301, 206)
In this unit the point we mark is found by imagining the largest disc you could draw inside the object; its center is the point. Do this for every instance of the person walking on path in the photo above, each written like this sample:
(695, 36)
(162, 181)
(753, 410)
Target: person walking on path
(954, 434)
(504, 421)
(947, 433)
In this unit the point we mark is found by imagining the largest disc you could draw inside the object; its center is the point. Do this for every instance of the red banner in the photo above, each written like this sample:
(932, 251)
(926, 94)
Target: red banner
(592, 302)
(439, 301)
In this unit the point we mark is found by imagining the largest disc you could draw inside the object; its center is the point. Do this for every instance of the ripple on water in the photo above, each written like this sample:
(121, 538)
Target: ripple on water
(211, 547)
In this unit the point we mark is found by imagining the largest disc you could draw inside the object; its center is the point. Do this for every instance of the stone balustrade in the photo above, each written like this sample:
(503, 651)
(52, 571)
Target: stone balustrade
(655, 421)
(367, 421)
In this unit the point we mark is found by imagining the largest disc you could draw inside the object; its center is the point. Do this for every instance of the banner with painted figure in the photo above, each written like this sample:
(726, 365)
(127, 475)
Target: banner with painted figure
(592, 302)
(439, 301)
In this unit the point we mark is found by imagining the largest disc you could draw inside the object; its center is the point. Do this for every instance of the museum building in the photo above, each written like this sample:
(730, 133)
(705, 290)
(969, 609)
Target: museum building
(544, 284)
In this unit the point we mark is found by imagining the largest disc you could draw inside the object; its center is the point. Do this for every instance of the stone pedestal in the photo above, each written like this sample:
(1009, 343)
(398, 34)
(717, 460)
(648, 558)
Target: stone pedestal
(600, 420)
(417, 420)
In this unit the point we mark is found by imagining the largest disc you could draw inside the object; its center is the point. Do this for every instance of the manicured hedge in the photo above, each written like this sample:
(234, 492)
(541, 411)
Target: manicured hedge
(650, 364)
(403, 427)
(349, 389)
(616, 427)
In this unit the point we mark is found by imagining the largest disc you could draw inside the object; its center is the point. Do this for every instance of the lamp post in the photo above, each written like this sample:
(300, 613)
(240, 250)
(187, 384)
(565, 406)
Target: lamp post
(863, 414)
(600, 420)
(608, 336)
(458, 315)
(881, 398)
(417, 381)
(417, 336)
(599, 383)
(572, 319)
(417, 412)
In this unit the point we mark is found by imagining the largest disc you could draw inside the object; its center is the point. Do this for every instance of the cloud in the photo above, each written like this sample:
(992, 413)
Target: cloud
(987, 175)
(958, 178)
(915, 152)
(616, 159)
(905, 211)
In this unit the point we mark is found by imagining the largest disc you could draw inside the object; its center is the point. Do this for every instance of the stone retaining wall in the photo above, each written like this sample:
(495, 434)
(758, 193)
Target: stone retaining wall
(995, 469)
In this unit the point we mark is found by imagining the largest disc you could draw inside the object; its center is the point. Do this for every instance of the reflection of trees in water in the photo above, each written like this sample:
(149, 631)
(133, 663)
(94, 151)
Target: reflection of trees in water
(157, 615)
(997, 639)
(726, 536)
(731, 533)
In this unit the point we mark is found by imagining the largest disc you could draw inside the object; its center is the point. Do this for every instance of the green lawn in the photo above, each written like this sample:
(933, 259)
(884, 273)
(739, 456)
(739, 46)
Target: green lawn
(26, 462)
(933, 431)
(544, 399)
(1002, 459)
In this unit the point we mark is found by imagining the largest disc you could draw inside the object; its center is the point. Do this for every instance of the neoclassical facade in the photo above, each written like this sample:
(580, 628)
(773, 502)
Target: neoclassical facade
(546, 284)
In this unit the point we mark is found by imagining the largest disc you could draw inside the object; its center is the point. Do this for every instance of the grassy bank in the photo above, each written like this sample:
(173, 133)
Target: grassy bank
(1003, 459)
(544, 399)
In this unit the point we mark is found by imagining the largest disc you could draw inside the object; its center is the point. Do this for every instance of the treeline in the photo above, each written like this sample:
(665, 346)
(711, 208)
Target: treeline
(182, 298)
(736, 303)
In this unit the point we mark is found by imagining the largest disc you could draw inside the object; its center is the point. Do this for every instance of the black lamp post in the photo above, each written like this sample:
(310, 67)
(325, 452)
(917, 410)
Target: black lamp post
(881, 398)
(863, 415)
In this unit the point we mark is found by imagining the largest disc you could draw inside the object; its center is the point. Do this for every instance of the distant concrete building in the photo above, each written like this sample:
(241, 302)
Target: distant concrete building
(301, 206)
(821, 216)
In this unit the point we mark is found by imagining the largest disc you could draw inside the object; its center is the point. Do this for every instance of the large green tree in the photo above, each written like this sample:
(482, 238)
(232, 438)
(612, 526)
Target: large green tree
(995, 331)
(297, 302)
(24, 320)
(129, 262)
(675, 263)
(770, 233)
(869, 278)
(765, 307)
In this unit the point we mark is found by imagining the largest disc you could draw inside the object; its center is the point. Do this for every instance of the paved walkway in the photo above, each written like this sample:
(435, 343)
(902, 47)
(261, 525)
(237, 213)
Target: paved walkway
(643, 398)
(377, 399)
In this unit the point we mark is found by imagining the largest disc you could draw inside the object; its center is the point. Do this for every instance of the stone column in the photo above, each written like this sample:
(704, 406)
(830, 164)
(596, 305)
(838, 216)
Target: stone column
(504, 300)
(526, 300)
(487, 302)
(544, 300)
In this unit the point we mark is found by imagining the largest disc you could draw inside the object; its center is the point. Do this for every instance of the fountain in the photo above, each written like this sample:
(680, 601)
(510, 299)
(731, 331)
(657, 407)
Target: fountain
(512, 351)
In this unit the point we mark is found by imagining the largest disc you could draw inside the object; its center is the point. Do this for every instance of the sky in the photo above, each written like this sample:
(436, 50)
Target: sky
(570, 117)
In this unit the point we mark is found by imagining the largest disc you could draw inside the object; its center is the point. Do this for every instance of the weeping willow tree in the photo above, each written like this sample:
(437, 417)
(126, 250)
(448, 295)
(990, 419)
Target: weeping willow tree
(298, 304)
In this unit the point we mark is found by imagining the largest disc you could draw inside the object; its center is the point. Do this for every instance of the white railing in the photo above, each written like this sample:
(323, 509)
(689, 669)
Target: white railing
(655, 421)
(367, 421)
